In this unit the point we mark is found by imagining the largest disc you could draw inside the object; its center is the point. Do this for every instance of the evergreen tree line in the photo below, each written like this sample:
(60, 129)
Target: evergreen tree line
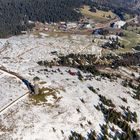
(127, 59)
(15, 14)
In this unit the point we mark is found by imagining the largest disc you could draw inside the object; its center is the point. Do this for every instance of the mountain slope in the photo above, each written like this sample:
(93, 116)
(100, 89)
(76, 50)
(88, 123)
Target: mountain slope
(70, 104)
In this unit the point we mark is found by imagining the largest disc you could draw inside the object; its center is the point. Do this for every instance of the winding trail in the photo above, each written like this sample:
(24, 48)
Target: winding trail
(12, 103)
(24, 80)
(3, 69)
(11, 73)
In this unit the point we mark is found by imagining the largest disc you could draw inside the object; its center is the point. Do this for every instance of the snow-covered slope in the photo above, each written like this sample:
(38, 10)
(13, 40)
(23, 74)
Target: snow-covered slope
(68, 104)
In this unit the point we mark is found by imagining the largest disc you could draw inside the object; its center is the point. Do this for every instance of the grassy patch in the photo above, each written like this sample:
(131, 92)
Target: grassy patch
(132, 37)
(130, 40)
(38, 98)
(42, 96)
(42, 83)
(134, 29)
(98, 15)
(127, 17)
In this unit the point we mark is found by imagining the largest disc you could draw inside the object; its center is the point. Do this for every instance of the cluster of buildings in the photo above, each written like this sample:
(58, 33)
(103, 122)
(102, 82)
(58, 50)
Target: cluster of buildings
(64, 26)
(83, 24)
(75, 25)
(87, 25)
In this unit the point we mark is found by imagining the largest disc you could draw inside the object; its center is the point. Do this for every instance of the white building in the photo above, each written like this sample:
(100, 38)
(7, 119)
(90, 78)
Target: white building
(119, 24)
(88, 26)
(71, 25)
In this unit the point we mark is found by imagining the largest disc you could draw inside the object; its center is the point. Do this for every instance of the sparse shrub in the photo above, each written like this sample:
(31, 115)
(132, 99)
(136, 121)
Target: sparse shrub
(137, 93)
(76, 136)
(82, 100)
(91, 135)
(97, 107)
(92, 89)
(89, 122)
(124, 99)
(78, 110)
(81, 125)
(105, 101)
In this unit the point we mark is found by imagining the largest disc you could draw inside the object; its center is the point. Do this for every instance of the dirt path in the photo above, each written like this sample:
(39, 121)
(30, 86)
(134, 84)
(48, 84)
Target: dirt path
(12, 103)
(19, 98)
(5, 47)
(11, 73)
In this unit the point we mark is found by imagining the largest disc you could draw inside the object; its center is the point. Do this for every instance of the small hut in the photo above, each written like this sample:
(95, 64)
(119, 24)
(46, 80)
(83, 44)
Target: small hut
(36, 85)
